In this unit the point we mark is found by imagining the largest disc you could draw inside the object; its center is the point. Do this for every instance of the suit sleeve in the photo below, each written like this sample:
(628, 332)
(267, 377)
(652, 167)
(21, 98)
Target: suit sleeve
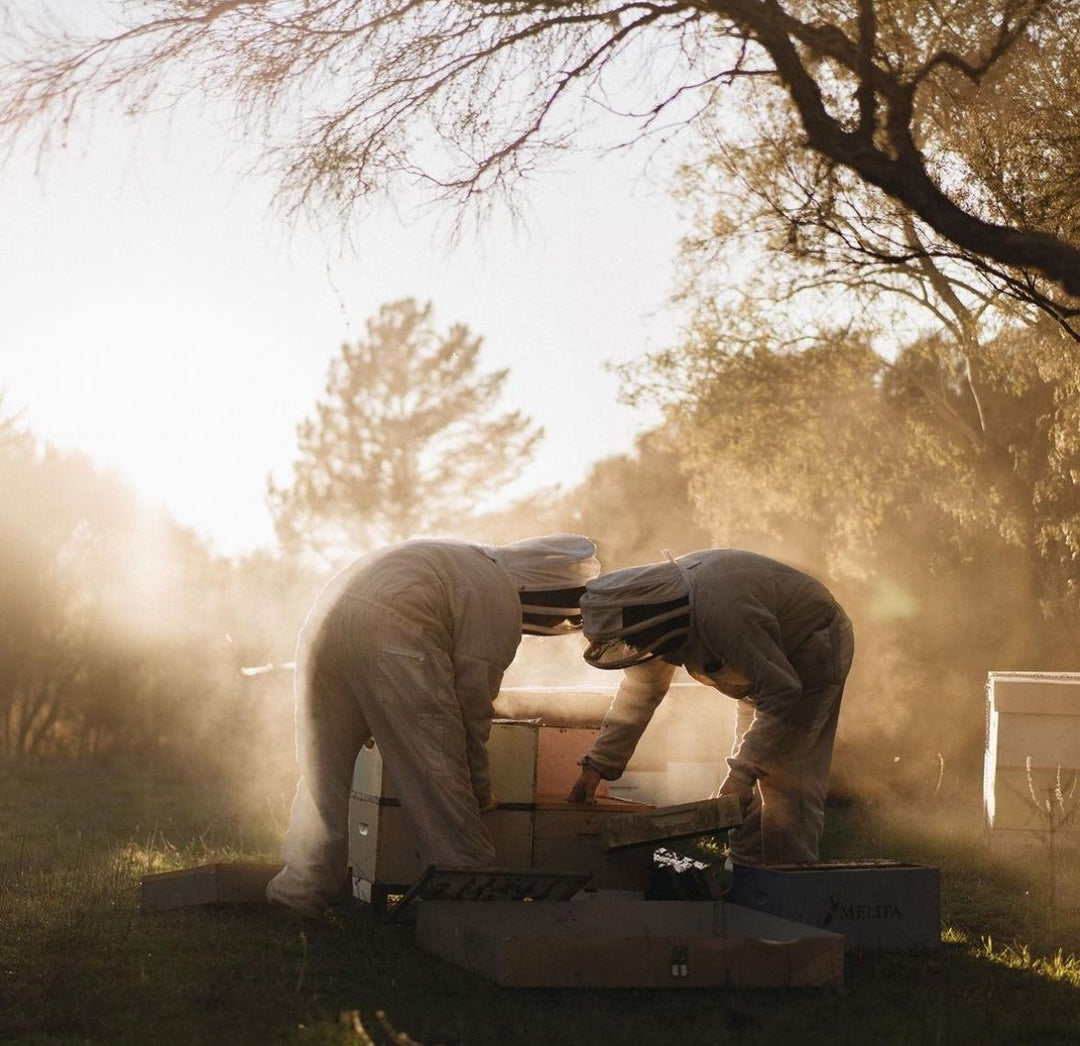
(477, 685)
(640, 692)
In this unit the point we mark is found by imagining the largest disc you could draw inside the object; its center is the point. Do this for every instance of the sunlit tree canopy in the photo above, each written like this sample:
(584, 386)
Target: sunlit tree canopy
(956, 113)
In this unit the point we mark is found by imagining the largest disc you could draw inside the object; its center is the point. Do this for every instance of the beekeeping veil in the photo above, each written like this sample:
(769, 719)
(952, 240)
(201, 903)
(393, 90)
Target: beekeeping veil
(636, 614)
(550, 573)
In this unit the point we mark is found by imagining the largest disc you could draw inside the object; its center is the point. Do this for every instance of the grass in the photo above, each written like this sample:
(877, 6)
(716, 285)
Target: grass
(79, 964)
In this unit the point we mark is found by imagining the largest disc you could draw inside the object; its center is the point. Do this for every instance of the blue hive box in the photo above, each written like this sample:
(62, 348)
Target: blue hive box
(876, 905)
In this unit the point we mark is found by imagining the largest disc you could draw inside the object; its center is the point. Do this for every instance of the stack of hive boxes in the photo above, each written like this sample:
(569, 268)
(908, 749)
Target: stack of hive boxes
(680, 758)
(532, 769)
(1032, 760)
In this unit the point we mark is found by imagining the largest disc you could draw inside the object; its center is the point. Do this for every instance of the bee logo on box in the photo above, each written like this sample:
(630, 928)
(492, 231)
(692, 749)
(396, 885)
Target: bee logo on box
(859, 911)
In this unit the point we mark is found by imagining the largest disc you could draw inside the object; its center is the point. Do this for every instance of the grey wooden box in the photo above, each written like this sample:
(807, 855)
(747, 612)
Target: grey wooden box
(623, 943)
(224, 883)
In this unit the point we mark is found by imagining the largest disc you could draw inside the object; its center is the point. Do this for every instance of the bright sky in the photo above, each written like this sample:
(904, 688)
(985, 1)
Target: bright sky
(157, 314)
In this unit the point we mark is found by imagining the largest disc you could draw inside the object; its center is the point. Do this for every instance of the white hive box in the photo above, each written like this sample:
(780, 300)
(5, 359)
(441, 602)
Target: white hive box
(382, 850)
(1031, 765)
(554, 705)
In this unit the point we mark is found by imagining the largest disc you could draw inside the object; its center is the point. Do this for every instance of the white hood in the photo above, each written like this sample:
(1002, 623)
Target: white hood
(548, 563)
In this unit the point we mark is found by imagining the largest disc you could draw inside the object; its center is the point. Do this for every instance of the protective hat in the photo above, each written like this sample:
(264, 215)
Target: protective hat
(550, 574)
(548, 563)
(631, 616)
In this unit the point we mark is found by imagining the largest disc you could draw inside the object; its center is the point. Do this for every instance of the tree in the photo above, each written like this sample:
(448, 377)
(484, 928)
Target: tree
(466, 98)
(639, 504)
(1009, 417)
(772, 438)
(406, 441)
(830, 242)
(112, 619)
(97, 597)
(634, 505)
(936, 494)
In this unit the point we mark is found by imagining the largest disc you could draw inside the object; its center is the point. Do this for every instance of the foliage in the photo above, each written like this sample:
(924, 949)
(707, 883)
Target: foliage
(69, 679)
(406, 442)
(633, 505)
(1008, 412)
(120, 635)
(768, 463)
(932, 492)
(933, 109)
(639, 504)
(788, 226)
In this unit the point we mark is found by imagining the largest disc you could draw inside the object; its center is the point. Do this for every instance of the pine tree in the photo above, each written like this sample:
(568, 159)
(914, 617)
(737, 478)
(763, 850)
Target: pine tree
(407, 440)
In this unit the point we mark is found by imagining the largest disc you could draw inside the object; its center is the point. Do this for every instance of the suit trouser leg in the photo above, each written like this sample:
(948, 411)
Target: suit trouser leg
(406, 688)
(373, 674)
(786, 817)
(330, 731)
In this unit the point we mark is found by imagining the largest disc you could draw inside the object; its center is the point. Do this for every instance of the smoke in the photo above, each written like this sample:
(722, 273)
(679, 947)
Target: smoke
(911, 723)
(912, 718)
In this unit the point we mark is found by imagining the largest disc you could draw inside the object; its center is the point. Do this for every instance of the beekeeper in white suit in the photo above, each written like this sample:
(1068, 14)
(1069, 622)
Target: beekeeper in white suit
(408, 646)
(761, 632)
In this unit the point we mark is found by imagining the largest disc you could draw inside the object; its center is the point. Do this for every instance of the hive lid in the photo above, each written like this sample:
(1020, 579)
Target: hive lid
(1035, 693)
(665, 823)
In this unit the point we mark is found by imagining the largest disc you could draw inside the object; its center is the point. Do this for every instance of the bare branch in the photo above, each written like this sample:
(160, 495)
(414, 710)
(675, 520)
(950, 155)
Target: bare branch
(352, 97)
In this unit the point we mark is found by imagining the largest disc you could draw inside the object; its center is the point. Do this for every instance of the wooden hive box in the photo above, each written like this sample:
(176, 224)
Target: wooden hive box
(224, 883)
(606, 942)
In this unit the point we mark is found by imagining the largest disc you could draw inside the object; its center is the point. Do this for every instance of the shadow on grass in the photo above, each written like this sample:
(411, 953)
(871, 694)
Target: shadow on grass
(80, 964)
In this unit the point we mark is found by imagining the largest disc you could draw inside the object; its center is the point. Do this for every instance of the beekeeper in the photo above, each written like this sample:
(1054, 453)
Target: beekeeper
(407, 646)
(761, 632)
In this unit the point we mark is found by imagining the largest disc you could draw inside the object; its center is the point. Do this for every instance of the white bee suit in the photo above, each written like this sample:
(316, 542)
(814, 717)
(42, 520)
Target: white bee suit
(408, 646)
(759, 631)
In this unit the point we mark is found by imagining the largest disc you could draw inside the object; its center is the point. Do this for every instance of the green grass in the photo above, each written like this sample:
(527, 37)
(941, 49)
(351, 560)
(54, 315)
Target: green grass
(80, 964)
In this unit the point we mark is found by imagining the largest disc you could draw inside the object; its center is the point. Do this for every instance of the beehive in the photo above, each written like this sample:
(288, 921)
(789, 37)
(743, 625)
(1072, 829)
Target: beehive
(1031, 765)
(532, 769)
